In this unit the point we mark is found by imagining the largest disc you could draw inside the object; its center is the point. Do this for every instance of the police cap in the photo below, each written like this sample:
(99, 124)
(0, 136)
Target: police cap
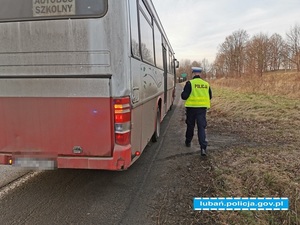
(196, 69)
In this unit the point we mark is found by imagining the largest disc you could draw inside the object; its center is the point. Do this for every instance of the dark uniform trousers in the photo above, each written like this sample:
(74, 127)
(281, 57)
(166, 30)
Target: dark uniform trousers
(193, 116)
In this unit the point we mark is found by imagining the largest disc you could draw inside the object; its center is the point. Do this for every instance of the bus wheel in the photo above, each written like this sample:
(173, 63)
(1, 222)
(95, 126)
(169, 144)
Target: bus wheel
(157, 127)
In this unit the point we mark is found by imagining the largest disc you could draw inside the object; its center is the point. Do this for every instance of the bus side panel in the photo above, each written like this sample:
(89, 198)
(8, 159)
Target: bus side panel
(152, 86)
(136, 130)
(57, 125)
(148, 124)
(171, 91)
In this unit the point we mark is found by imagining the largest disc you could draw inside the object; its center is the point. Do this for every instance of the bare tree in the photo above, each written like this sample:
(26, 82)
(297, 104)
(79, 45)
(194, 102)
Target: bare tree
(293, 45)
(276, 51)
(286, 55)
(233, 52)
(226, 50)
(219, 65)
(185, 67)
(250, 62)
(238, 55)
(205, 66)
(240, 41)
(196, 64)
(257, 53)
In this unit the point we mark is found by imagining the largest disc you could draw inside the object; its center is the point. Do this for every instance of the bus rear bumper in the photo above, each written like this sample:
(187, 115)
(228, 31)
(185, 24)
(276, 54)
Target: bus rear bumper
(121, 160)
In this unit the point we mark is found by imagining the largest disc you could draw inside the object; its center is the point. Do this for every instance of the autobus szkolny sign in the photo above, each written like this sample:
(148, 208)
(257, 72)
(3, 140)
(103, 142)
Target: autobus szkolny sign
(53, 7)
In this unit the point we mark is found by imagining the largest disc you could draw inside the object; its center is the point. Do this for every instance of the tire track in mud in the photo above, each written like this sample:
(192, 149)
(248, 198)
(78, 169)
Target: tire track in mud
(140, 188)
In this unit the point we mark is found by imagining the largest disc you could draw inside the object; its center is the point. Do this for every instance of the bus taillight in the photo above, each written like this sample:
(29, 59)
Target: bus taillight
(122, 116)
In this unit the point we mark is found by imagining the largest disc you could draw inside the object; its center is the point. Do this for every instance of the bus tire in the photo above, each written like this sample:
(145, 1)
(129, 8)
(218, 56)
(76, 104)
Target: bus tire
(156, 134)
(171, 107)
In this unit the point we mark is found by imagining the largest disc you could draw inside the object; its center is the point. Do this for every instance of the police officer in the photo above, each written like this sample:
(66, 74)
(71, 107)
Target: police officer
(197, 94)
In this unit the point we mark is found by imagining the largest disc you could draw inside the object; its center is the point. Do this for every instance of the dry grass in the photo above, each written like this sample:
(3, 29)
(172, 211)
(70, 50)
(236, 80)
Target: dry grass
(266, 115)
(272, 83)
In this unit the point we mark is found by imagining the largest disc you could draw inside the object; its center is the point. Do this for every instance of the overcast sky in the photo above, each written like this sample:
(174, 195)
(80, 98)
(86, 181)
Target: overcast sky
(196, 28)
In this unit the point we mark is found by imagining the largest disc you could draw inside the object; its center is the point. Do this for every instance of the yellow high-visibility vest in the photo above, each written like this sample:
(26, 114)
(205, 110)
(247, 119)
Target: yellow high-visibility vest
(199, 96)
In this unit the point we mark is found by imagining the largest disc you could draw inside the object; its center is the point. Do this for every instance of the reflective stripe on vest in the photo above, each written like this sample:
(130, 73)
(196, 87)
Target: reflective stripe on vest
(199, 96)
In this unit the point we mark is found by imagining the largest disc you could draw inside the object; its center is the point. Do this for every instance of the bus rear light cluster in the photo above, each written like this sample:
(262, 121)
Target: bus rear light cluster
(122, 120)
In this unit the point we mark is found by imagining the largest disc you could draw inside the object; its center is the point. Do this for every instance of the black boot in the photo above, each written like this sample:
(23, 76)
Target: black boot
(203, 152)
(187, 143)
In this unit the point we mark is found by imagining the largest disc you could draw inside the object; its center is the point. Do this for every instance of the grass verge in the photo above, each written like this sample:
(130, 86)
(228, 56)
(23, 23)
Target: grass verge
(265, 161)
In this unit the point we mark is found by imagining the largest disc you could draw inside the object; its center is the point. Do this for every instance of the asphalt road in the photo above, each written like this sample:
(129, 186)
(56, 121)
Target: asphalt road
(91, 196)
(8, 174)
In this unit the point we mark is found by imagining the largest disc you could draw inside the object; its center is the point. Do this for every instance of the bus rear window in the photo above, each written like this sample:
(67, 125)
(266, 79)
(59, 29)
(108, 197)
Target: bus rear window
(17, 10)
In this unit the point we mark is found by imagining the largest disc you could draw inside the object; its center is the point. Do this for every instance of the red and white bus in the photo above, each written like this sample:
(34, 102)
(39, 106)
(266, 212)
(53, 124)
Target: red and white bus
(83, 83)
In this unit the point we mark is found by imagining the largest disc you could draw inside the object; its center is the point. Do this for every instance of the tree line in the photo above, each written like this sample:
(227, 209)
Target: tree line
(241, 55)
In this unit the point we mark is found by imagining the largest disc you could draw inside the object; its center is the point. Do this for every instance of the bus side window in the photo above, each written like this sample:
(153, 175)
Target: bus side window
(158, 47)
(147, 42)
(135, 43)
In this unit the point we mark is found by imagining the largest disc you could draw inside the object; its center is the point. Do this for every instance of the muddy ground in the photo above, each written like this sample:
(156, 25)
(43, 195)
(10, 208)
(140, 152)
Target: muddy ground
(185, 174)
